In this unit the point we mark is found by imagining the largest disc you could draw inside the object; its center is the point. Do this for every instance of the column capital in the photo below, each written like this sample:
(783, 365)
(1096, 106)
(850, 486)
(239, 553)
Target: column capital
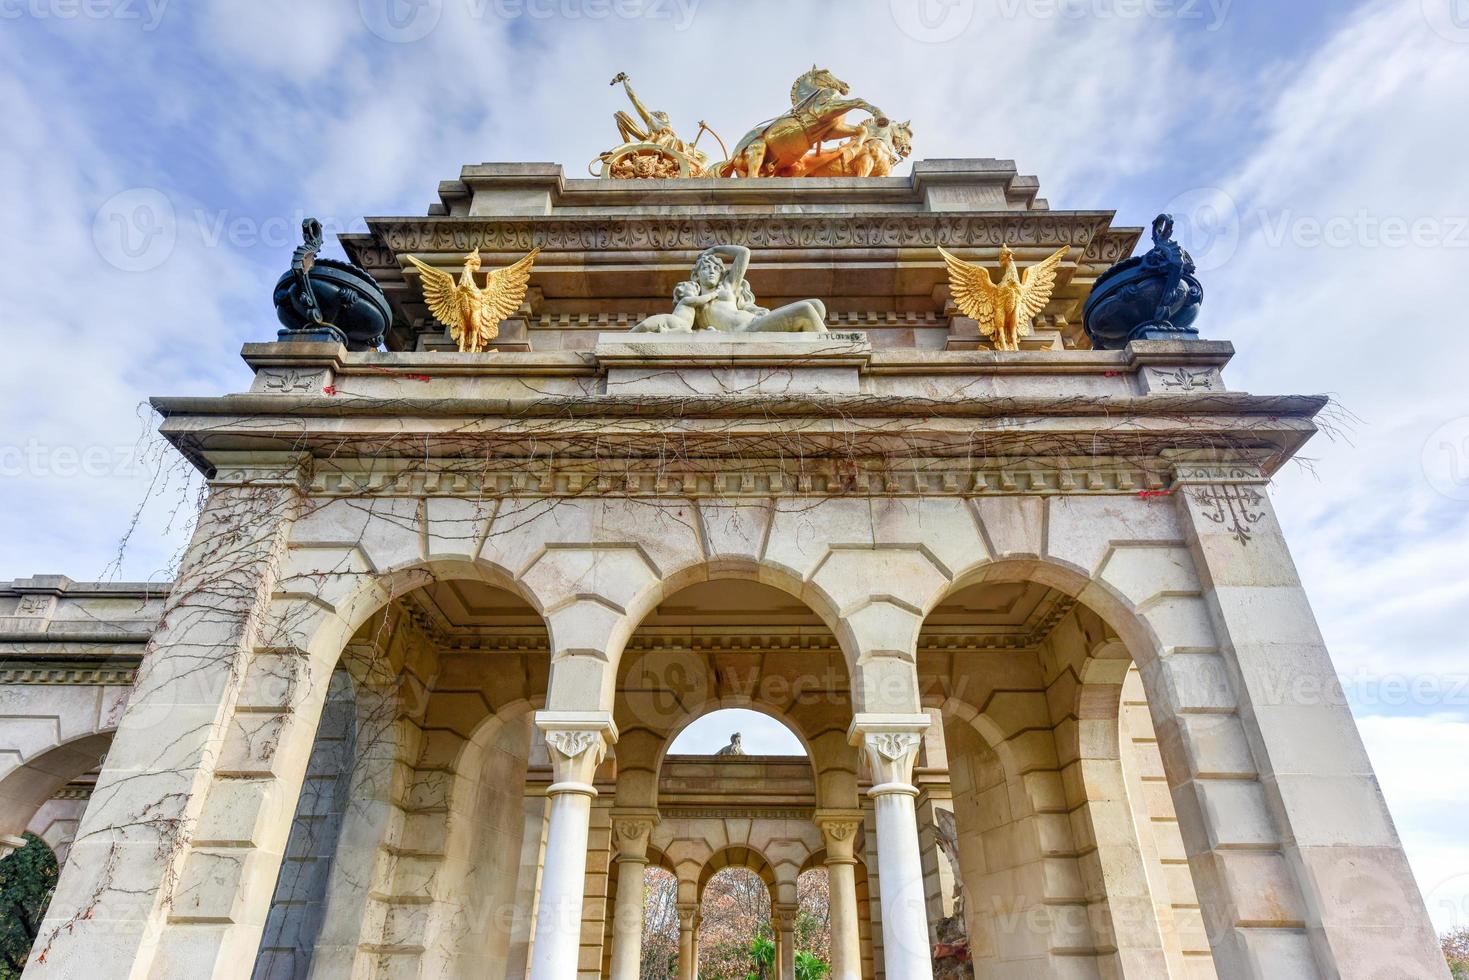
(631, 829)
(688, 916)
(577, 742)
(891, 742)
(785, 917)
(839, 833)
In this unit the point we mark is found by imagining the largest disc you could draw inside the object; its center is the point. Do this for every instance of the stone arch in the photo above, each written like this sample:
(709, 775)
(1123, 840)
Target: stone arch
(394, 904)
(1061, 729)
(737, 856)
(803, 682)
(38, 775)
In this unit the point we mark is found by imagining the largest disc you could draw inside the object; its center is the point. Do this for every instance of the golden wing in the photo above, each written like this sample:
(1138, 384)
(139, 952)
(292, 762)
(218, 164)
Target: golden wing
(503, 293)
(1036, 285)
(973, 291)
(441, 294)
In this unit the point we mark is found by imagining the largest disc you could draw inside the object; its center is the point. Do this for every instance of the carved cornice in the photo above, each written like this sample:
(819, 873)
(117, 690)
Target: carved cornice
(1088, 230)
(648, 478)
(718, 811)
(68, 672)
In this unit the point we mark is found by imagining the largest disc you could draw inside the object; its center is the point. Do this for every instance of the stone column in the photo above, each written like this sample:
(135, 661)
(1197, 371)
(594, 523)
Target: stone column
(1311, 831)
(577, 741)
(891, 743)
(785, 947)
(630, 832)
(688, 944)
(839, 832)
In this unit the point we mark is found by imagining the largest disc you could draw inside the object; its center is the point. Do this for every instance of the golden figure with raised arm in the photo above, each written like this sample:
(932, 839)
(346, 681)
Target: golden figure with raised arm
(649, 148)
(473, 314)
(1003, 310)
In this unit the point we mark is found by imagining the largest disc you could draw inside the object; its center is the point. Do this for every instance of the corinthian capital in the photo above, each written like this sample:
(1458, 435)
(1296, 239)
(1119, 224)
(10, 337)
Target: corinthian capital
(630, 832)
(839, 833)
(577, 742)
(891, 743)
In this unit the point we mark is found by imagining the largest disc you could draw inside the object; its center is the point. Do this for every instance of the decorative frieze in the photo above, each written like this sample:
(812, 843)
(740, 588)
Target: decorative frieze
(663, 232)
(69, 673)
(510, 477)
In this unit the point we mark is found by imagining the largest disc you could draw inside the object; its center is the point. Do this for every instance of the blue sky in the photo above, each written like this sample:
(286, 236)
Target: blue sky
(158, 156)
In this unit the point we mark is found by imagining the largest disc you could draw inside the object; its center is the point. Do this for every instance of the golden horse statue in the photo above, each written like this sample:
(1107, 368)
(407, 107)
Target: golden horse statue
(881, 145)
(775, 147)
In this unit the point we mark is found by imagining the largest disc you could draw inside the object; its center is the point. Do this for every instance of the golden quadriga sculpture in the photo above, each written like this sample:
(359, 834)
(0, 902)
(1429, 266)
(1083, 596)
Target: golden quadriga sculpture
(1003, 310)
(651, 149)
(472, 314)
(789, 145)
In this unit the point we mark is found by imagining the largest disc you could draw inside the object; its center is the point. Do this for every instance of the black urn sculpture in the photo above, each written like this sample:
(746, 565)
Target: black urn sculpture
(1154, 296)
(327, 300)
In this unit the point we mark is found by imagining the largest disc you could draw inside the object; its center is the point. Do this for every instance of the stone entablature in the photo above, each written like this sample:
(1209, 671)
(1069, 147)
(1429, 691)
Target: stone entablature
(611, 253)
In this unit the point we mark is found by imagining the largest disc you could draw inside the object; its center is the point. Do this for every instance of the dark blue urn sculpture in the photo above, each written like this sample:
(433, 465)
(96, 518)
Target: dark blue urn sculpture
(1147, 297)
(327, 300)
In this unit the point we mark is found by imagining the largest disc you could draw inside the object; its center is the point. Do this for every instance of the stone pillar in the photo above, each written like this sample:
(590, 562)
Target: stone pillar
(688, 943)
(839, 832)
(891, 743)
(785, 946)
(176, 858)
(630, 836)
(577, 742)
(1314, 809)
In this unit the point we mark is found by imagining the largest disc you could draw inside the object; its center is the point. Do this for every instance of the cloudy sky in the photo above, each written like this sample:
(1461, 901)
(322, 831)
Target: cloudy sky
(159, 154)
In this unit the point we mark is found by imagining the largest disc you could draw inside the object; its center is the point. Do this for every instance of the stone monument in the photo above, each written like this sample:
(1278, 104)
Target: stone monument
(406, 710)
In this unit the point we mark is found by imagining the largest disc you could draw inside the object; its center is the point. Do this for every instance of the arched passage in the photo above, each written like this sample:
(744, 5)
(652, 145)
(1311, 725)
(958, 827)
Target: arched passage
(423, 852)
(1024, 663)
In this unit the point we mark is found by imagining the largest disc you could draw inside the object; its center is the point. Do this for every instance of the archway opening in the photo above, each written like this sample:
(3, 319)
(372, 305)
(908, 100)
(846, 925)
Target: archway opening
(736, 937)
(1028, 682)
(425, 746)
(813, 923)
(660, 925)
(736, 731)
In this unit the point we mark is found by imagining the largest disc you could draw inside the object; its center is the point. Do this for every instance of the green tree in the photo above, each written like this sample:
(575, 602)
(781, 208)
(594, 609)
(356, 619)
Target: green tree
(811, 967)
(1456, 951)
(27, 878)
(762, 951)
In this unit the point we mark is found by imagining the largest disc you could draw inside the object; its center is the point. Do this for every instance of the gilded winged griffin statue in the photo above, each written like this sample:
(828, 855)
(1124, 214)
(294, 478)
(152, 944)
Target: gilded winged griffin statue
(1003, 310)
(473, 314)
